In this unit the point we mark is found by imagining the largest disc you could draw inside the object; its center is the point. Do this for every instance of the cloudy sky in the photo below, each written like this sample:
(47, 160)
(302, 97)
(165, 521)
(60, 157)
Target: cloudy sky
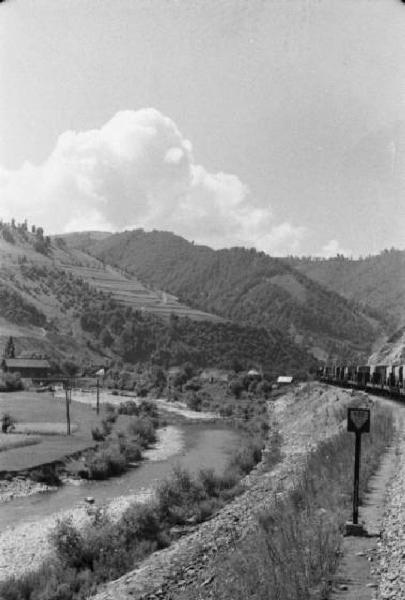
(278, 124)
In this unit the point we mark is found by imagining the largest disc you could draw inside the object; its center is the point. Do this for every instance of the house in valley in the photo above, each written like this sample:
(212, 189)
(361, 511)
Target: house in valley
(28, 368)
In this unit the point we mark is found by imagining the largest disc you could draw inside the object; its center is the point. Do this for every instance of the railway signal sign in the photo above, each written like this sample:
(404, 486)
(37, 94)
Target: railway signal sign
(358, 421)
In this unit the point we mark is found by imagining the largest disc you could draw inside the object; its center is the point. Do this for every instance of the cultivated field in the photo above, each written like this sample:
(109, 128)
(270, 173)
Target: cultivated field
(40, 431)
(131, 292)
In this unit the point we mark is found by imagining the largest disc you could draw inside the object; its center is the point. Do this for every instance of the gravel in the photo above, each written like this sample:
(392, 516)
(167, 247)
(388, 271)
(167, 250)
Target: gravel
(390, 558)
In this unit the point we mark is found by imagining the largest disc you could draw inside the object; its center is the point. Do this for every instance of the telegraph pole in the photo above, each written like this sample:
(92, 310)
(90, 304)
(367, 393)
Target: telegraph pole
(98, 396)
(68, 398)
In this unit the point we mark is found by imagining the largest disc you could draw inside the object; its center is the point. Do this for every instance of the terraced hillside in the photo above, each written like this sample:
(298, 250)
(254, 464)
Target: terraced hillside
(246, 287)
(61, 302)
(128, 290)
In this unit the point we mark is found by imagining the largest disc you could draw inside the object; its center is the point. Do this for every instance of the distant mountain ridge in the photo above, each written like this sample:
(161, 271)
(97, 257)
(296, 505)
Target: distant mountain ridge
(248, 287)
(377, 280)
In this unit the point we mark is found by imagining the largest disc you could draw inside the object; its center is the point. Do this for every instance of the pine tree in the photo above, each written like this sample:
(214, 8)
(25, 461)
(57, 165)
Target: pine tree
(9, 351)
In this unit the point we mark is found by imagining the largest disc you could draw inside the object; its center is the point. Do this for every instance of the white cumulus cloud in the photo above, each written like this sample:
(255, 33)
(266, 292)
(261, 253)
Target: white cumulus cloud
(333, 248)
(138, 170)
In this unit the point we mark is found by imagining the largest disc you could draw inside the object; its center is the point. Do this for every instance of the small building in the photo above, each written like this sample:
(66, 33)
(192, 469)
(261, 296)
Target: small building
(32, 368)
(284, 380)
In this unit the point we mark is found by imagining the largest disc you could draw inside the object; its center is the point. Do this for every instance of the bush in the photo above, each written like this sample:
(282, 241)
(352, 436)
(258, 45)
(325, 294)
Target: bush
(178, 496)
(130, 449)
(111, 413)
(193, 401)
(246, 458)
(142, 429)
(46, 474)
(106, 462)
(128, 408)
(97, 434)
(7, 423)
(11, 382)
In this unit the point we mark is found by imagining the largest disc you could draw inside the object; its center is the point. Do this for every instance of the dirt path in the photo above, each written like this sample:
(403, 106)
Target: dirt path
(371, 566)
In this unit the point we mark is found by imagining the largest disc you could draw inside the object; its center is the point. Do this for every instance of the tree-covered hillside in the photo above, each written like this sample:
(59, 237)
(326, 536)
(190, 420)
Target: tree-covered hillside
(139, 337)
(245, 286)
(56, 307)
(378, 280)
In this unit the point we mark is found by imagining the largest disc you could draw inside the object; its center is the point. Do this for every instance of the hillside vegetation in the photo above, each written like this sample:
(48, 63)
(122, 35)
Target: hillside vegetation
(247, 287)
(378, 280)
(61, 301)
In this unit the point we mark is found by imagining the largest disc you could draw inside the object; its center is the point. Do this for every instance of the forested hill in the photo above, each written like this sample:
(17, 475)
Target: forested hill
(377, 280)
(61, 302)
(245, 286)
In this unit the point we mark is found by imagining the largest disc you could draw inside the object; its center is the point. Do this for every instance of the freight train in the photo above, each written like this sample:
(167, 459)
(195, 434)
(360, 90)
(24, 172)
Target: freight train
(386, 380)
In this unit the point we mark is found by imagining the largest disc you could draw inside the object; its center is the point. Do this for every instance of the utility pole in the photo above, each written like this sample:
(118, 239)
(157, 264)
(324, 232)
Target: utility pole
(98, 396)
(68, 395)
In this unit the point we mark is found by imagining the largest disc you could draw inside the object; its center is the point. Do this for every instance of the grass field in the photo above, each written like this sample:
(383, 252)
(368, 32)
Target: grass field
(45, 418)
(16, 440)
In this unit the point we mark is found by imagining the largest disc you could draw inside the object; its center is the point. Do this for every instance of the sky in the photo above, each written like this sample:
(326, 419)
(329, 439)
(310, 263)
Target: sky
(275, 124)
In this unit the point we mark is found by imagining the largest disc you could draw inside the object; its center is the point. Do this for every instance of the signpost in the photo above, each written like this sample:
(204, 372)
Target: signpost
(358, 421)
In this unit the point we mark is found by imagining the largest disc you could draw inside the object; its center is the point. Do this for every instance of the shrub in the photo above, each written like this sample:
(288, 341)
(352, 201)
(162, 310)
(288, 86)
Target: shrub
(193, 401)
(105, 462)
(97, 434)
(12, 382)
(46, 474)
(129, 448)
(150, 409)
(246, 458)
(111, 413)
(178, 496)
(106, 427)
(7, 423)
(142, 429)
(128, 408)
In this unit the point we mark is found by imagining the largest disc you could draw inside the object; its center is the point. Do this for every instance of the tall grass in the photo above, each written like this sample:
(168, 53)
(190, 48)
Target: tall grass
(293, 550)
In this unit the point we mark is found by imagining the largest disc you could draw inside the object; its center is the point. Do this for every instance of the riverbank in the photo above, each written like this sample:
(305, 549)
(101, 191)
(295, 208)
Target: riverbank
(18, 487)
(304, 417)
(25, 546)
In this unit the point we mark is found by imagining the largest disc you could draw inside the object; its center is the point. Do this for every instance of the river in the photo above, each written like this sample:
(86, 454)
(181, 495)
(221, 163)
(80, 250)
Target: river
(202, 445)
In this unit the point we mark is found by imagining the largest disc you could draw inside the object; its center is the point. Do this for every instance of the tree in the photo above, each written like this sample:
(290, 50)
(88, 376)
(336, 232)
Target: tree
(70, 368)
(106, 338)
(9, 351)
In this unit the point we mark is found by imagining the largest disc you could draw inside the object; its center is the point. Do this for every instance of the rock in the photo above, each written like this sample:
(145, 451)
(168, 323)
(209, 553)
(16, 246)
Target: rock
(89, 500)
(208, 580)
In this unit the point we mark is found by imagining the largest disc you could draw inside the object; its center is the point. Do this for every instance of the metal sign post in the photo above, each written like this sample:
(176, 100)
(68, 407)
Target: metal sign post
(358, 421)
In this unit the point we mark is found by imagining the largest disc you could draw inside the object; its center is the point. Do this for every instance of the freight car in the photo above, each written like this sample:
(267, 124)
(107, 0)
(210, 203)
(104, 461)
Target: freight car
(387, 380)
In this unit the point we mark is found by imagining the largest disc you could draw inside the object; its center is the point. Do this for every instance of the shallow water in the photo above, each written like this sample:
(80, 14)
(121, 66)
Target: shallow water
(205, 446)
